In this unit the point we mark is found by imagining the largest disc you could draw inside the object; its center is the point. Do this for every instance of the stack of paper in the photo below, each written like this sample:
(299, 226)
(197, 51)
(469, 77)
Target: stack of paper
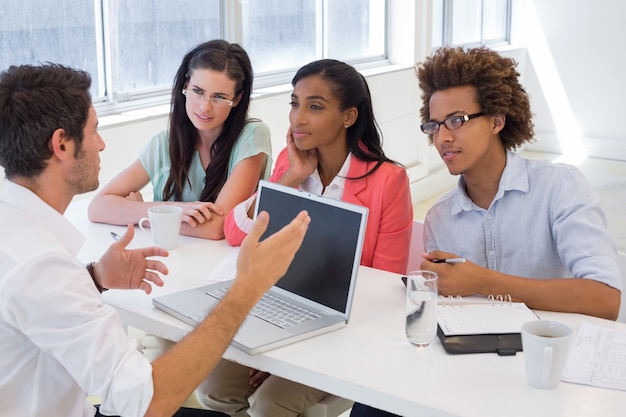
(598, 358)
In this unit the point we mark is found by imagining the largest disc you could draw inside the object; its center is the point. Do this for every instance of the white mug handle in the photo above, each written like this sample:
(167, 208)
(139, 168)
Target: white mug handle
(141, 221)
(547, 364)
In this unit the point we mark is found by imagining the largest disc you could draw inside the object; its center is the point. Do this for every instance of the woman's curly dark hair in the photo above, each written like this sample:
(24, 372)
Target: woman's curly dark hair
(497, 83)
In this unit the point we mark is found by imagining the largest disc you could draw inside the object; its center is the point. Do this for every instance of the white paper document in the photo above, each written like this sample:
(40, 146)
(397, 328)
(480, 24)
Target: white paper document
(597, 357)
(225, 270)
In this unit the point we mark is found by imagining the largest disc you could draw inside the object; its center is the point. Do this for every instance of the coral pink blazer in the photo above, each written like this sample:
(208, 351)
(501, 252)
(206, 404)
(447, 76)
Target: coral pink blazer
(385, 193)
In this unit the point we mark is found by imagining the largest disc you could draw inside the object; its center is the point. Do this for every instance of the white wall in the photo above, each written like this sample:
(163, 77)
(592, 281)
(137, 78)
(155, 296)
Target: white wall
(574, 74)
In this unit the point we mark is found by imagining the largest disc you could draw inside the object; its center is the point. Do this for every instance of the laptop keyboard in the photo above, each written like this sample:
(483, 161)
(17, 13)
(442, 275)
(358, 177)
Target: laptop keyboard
(274, 310)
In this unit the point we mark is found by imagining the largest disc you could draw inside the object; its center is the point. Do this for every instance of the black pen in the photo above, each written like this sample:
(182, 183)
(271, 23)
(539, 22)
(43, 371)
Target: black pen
(115, 236)
(449, 261)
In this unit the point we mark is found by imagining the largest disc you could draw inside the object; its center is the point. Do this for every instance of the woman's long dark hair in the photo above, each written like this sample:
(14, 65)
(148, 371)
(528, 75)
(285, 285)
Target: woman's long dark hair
(215, 55)
(349, 86)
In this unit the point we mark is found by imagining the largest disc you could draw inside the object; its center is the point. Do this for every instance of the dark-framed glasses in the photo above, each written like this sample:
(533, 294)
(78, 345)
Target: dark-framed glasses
(198, 95)
(451, 123)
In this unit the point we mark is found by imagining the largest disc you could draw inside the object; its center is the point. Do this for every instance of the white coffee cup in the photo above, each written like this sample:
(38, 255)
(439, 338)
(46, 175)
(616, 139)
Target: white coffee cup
(546, 346)
(165, 224)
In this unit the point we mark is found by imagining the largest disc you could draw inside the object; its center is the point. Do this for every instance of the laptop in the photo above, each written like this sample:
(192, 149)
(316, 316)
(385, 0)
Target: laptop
(317, 290)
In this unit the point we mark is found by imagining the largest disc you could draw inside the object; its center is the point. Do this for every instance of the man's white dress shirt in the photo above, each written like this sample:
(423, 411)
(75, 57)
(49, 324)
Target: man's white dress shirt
(58, 340)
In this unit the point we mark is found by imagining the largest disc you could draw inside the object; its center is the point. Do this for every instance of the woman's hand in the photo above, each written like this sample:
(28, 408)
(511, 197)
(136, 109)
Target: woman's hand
(197, 212)
(302, 163)
(134, 196)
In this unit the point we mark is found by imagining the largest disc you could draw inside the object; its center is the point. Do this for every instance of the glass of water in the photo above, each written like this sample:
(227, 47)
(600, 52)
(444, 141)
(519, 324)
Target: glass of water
(421, 307)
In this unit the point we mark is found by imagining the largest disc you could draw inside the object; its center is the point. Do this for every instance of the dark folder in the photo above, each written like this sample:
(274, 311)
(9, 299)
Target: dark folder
(503, 344)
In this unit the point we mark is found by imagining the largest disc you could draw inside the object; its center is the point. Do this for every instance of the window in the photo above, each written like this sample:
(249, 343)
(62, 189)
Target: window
(148, 38)
(471, 22)
(59, 31)
(286, 34)
(133, 48)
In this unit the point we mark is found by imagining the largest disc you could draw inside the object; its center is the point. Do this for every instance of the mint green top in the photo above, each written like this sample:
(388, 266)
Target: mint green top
(155, 158)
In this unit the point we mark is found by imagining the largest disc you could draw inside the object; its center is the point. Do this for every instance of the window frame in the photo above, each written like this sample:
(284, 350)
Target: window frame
(448, 25)
(231, 29)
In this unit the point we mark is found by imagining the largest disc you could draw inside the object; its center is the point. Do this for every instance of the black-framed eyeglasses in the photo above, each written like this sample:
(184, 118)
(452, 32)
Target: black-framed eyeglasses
(451, 123)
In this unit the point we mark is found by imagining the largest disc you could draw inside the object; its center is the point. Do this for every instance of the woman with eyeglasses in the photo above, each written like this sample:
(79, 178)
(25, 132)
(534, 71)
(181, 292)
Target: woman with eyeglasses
(334, 149)
(212, 156)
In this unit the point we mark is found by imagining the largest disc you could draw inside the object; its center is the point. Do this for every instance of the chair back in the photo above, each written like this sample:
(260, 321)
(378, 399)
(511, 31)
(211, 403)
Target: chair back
(621, 261)
(416, 247)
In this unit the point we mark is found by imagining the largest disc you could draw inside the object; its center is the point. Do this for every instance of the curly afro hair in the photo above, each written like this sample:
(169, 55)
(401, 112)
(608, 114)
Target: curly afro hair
(496, 80)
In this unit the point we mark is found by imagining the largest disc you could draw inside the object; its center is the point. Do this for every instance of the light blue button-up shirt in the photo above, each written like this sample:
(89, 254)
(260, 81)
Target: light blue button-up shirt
(544, 222)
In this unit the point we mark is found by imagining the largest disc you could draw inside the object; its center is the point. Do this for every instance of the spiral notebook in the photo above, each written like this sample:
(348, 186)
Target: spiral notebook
(482, 325)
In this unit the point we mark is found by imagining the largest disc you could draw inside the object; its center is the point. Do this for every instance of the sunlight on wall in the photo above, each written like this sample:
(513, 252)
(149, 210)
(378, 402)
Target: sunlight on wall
(567, 129)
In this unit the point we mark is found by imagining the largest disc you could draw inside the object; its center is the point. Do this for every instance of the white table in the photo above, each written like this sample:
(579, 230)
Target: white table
(369, 360)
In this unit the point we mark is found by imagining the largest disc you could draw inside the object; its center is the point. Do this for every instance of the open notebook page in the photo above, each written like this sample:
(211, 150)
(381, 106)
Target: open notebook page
(477, 315)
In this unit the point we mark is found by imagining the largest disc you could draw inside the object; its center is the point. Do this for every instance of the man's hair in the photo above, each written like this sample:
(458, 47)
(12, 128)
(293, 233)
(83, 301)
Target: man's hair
(34, 102)
(496, 81)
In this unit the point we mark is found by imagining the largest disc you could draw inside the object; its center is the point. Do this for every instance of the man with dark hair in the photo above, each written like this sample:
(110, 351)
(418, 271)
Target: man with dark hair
(58, 340)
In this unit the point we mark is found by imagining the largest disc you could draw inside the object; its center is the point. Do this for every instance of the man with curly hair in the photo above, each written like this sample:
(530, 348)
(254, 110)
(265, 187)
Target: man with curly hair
(531, 229)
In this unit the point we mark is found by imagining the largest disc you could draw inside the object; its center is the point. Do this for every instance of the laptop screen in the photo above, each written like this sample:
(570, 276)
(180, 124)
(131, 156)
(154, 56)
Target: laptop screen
(331, 251)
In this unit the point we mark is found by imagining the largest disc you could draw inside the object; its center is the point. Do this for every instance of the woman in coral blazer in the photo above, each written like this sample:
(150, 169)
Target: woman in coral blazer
(334, 148)
(385, 192)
